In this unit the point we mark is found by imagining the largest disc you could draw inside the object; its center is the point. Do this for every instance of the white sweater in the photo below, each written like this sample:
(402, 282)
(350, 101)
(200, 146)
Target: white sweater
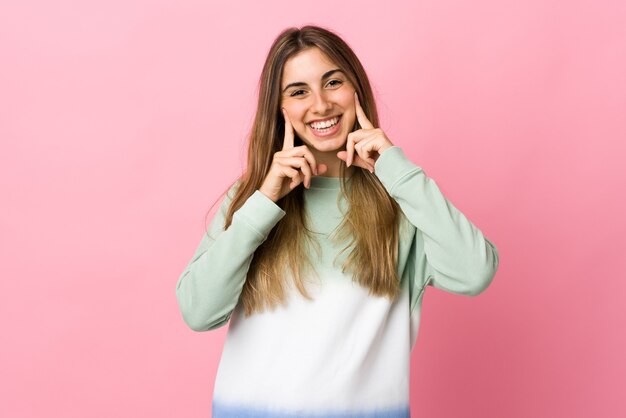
(346, 353)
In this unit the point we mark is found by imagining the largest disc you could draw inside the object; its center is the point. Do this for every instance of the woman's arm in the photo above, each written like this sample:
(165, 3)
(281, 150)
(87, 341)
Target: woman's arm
(459, 257)
(209, 287)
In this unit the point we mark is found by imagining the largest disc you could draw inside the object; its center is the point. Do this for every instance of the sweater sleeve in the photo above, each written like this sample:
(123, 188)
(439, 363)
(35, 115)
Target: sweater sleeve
(459, 259)
(209, 287)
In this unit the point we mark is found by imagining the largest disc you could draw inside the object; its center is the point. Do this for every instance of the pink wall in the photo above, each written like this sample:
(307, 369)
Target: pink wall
(122, 121)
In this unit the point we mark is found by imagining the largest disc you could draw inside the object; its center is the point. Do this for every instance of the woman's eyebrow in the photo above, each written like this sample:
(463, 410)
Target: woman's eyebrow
(325, 76)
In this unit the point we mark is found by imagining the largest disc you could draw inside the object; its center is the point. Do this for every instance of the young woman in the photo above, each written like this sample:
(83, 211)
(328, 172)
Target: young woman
(321, 250)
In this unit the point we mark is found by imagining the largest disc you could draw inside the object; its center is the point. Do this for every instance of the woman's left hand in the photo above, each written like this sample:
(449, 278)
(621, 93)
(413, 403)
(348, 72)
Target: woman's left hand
(368, 142)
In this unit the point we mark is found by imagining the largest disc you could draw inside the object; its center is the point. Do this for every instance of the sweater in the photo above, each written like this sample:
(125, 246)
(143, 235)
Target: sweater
(346, 353)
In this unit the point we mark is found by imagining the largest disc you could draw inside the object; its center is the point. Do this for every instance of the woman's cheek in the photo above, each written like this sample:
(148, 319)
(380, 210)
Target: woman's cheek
(301, 130)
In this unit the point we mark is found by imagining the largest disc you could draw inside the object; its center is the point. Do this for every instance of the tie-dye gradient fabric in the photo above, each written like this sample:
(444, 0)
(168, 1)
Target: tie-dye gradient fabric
(345, 353)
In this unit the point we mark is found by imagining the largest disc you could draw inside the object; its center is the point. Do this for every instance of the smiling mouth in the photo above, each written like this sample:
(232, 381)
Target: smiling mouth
(326, 129)
(326, 125)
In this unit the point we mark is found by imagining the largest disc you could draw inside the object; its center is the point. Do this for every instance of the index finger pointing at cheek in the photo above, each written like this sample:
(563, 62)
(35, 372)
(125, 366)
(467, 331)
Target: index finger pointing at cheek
(360, 114)
(288, 141)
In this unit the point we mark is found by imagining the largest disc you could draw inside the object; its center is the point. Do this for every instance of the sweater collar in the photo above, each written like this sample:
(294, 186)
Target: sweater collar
(330, 183)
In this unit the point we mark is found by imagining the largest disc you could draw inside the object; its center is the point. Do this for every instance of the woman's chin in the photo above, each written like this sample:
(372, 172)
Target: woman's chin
(328, 146)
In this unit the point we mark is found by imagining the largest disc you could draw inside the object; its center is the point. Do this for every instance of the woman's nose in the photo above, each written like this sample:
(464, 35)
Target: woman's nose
(321, 103)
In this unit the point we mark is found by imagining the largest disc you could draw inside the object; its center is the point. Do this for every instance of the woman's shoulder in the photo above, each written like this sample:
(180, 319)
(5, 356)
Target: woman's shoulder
(232, 188)
(406, 229)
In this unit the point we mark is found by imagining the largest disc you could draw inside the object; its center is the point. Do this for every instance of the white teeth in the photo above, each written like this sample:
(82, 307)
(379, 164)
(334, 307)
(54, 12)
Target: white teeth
(325, 124)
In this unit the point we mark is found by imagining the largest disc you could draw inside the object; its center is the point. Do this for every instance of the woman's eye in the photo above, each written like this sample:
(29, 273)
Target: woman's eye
(337, 82)
(331, 83)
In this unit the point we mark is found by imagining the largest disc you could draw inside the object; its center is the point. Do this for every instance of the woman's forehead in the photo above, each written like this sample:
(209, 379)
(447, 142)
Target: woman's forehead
(309, 64)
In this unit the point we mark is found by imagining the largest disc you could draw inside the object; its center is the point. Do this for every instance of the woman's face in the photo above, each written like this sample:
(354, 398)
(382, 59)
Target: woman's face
(314, 90)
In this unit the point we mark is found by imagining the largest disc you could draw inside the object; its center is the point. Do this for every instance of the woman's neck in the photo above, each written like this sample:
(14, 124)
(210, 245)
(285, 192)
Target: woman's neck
(333, 163)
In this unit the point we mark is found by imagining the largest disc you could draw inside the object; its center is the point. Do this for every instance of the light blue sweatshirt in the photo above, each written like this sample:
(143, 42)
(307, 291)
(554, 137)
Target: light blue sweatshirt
(345, 353)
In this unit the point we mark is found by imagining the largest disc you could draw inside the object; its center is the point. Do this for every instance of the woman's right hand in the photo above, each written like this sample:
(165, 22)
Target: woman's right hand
(290, 167)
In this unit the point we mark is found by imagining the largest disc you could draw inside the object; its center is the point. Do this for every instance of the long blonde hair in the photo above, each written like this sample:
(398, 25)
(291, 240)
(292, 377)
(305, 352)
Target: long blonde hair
(373, 250)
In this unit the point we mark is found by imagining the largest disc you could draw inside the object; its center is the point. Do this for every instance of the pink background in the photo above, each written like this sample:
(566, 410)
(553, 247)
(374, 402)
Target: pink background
(122, 121)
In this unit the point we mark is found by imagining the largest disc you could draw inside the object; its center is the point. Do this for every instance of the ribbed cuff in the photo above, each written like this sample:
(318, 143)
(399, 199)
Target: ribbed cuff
(260, 213)
(392, 165)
